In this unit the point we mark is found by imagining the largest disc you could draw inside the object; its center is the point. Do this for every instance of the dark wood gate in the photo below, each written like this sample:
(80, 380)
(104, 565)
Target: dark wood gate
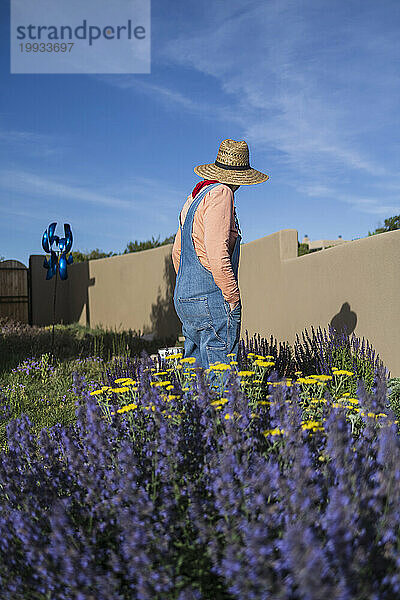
(14, 291)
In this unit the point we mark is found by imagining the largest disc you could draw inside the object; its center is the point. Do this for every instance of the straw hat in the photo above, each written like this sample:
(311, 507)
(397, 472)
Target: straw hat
(232, 165)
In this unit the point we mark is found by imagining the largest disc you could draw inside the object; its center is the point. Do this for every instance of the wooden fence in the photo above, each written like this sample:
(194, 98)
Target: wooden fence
(14, 291)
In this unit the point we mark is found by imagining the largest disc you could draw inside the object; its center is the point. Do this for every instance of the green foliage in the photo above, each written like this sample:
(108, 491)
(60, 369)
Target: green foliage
(305, 249)
(47, 394)
(44, 392)
(317, 355)
(19, 341)
(391, 224)
(135, 246)
(302, 249)
(82, 257)
(394, 395)
(342, 358)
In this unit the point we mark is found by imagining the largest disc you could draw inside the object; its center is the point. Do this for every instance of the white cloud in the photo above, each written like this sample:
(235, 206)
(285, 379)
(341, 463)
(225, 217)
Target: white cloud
(138, 195)
(367, 204)
(298, 79)
(30, 142)
(24, 182)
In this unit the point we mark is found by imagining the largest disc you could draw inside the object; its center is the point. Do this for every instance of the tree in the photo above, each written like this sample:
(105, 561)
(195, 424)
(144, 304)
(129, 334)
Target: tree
(391, 224)
(137, 246)
(134, 246)
(82, 257)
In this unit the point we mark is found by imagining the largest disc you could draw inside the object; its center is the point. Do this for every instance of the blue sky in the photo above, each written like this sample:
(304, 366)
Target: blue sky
(313, 86)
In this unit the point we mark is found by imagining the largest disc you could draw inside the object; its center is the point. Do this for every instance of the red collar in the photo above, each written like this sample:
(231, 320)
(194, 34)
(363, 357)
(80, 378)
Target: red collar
(201, 184)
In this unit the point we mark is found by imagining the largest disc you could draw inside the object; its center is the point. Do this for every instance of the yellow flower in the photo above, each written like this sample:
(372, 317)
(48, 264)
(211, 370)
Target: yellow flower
(122, 379)
(96, 392)
(169, 387)
(275, 431)
(131, 382)
(307, 380)
(185, 389)
(161, 373)
(342, 372)
(381, 415)
(161, 383)
(322, 377)
(219, 402)
(173, 356)
(220, 367)
(246, 373)
(188, 359)
(234, 362)
(120, 390)
(352, 400)
(231, 354)
(126, 408)
(311, 425)
(227, 416)
(263, 363)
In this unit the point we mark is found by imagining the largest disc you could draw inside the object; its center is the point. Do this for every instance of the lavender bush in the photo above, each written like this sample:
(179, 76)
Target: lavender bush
(166, 487)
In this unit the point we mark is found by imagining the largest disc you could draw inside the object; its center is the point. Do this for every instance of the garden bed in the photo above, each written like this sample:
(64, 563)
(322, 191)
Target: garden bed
(280, 482)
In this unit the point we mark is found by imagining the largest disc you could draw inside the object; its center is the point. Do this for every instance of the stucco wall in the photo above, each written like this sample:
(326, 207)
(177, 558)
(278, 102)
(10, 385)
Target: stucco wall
(357, 283)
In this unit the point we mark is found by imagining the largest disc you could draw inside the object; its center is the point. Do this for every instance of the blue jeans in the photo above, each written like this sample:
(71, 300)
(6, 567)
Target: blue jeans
(210, 334)
(210, 327)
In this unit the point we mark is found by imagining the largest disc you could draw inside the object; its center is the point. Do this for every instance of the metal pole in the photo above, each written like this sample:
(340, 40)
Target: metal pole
(54, 314)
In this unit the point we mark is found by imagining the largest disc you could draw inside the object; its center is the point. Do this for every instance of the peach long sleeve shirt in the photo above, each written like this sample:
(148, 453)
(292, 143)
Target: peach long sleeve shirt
(214, 235)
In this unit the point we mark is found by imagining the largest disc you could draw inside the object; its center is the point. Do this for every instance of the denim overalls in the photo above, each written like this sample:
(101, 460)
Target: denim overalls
(210, 327)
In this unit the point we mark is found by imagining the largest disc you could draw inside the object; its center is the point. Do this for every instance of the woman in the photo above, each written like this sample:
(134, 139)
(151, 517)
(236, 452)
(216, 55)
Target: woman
(206, 257)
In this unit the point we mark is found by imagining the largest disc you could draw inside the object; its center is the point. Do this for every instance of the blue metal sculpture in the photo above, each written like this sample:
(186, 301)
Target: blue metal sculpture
(59, 260)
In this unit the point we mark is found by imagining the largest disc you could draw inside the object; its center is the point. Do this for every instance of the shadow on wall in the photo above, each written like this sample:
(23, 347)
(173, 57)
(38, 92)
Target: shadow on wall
(345, 321)
(79, 281)
(163, 317)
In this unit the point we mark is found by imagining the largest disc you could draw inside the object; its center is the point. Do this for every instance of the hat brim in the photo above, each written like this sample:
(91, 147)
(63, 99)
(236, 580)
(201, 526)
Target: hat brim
(247, 177)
